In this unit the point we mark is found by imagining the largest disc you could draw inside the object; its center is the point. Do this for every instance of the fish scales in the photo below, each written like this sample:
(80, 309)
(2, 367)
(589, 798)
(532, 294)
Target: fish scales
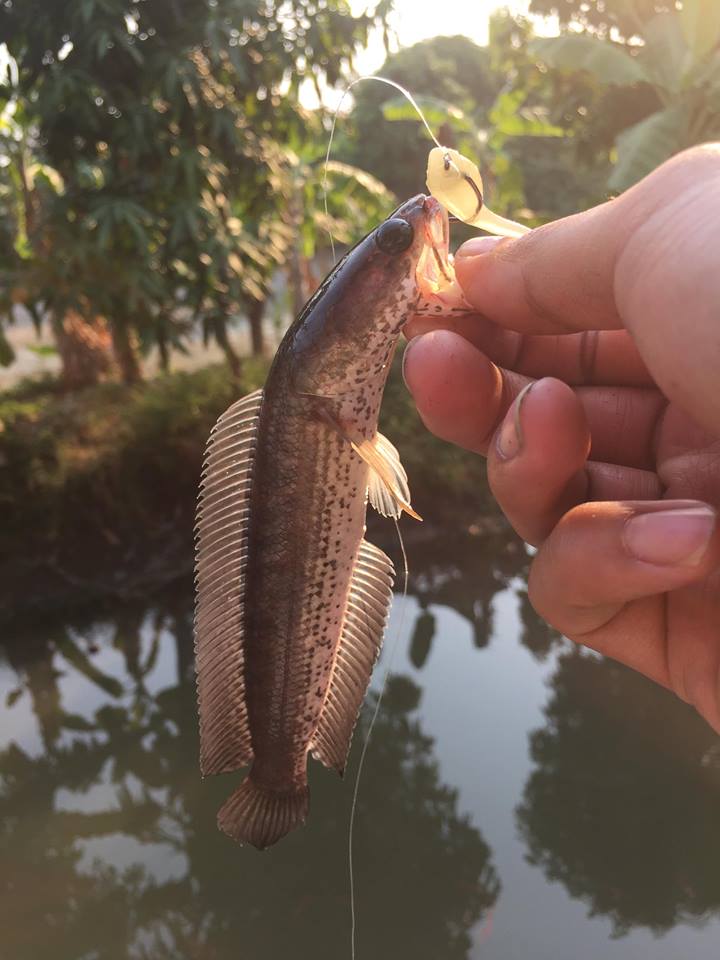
(304, 535)
(292, 601)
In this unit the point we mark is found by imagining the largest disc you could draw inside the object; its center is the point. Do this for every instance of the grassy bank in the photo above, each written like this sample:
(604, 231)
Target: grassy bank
(98, 488)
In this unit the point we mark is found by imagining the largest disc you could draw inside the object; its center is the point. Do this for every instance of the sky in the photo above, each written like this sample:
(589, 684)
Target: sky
(415, 20)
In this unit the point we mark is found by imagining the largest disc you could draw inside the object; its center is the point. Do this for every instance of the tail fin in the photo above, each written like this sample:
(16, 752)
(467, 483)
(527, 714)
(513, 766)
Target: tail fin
(261, 816)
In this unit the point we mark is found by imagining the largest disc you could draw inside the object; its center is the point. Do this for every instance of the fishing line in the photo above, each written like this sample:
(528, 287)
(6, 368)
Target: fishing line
(366, 744)
(346, 91)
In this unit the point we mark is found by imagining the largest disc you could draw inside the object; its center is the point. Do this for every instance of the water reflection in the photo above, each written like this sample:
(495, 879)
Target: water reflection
(108, 843)
(622, 806)
(537, 636)
(108, 840)
(464, 573)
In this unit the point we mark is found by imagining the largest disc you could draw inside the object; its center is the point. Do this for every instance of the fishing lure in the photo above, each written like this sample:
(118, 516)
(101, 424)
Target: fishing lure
(455, 181)
(452, 178)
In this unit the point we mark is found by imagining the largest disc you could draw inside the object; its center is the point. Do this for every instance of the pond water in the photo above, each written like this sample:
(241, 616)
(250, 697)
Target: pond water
(520, 799)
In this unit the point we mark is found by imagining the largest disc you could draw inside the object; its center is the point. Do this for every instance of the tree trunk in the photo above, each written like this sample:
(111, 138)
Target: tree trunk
(295, 268)
(234, 361)
(125, 349)
(84, 349)
(164, 351)
(256, 311)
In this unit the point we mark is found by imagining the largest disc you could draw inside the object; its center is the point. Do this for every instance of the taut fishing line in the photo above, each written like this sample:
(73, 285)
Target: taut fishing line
(392, 648)
(390, 83)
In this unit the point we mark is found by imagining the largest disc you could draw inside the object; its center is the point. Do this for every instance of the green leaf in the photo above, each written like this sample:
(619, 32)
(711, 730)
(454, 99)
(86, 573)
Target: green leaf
(49, 174)
(436, 111)
(578, 51)
(366, 180)
(509, 118)
(101, 48)
(644, 146)
(665, 56)
(22, 245)
(86, 9)
(708, 75)
(43, 350)
(700, 21)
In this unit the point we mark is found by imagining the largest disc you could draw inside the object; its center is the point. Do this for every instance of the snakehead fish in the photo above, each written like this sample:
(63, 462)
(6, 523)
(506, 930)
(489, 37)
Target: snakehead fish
(291, 600)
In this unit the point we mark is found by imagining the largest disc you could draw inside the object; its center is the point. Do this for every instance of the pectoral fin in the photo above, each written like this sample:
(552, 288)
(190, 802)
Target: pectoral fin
(388, 488)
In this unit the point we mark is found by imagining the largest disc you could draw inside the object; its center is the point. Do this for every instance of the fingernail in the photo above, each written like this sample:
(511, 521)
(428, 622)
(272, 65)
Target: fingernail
(477, 246)
(670, 537)
(406, 352)
(510, 439)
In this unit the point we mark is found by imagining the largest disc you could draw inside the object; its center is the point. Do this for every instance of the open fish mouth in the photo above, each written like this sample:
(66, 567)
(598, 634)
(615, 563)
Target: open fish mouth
(439, 291)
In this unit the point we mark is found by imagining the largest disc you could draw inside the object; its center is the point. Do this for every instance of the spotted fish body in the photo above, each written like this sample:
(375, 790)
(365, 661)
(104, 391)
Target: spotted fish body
(291, 600)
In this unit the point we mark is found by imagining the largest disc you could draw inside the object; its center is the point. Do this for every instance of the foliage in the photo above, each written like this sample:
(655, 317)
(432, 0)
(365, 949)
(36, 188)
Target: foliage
(98, 487)
(677, 64)
(383, 133)
(170, 136)
(491, 104)
(620, 808)
(116, 777)
(622, 18)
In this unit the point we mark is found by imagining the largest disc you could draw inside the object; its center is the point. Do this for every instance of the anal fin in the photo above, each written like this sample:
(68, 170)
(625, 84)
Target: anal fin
(366, 614)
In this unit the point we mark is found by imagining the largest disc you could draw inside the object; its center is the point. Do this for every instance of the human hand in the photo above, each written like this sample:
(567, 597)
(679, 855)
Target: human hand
(590, 378)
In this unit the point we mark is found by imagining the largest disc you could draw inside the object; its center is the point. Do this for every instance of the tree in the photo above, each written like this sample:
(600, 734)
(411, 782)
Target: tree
(132, 747)
(621, 18)
(621, 803)
(383, 133)
(172, 131)
(490, 103)
(674, 73)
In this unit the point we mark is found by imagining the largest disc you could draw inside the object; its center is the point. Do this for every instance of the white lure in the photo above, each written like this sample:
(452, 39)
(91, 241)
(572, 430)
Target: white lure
(456, 182)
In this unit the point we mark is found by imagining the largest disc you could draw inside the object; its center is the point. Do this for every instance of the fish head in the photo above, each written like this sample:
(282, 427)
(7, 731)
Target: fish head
(349, 329)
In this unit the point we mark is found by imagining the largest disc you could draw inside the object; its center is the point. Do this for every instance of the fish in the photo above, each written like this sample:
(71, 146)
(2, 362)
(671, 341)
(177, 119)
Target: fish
(291, 599)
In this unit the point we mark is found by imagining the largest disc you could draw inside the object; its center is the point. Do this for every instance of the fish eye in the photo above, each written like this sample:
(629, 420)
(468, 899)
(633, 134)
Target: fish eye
(394, 236)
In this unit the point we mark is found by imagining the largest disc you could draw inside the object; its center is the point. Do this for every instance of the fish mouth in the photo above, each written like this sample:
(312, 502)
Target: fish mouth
(438, 290)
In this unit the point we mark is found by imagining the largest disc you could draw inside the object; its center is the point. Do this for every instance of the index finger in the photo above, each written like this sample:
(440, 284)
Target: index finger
(563, 277)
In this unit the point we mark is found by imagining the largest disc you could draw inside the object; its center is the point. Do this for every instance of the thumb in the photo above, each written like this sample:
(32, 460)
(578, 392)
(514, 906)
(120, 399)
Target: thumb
(646, 261)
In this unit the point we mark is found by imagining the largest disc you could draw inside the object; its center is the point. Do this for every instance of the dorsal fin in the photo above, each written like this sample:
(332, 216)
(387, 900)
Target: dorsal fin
(366, 614)
(221, 534)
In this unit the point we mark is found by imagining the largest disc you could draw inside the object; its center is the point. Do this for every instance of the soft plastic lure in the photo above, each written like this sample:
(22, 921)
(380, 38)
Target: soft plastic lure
(456, 182)
(452, 179)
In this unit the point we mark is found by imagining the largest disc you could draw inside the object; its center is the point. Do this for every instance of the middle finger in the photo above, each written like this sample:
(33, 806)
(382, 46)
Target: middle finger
(462, 397)
(597, 357)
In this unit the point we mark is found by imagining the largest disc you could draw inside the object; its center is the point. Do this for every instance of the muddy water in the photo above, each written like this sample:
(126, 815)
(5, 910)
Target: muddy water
(520, 798)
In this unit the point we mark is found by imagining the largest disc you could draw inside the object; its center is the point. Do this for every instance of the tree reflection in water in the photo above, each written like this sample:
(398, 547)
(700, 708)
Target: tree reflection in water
(463, 572)
(622, 806)
(129, 763)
